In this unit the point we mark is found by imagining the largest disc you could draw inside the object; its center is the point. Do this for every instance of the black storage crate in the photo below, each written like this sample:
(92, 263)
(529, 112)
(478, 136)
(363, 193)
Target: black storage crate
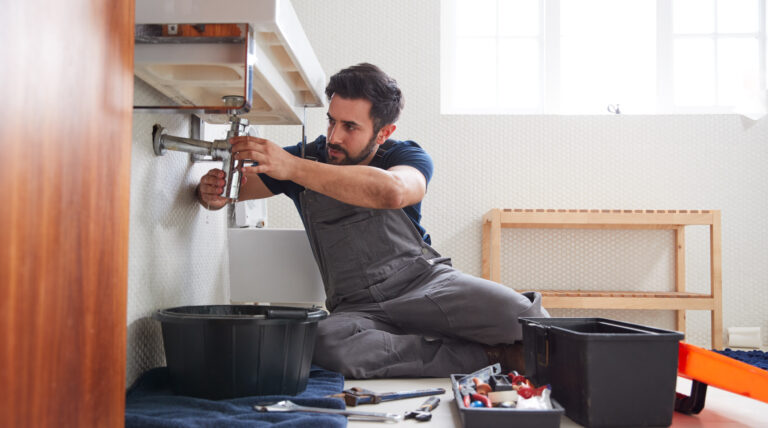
(484, 417)
(604, 372)
(227, 351)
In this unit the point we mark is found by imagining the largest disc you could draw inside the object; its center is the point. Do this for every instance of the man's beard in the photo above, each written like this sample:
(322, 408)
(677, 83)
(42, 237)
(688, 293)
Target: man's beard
(347, 160)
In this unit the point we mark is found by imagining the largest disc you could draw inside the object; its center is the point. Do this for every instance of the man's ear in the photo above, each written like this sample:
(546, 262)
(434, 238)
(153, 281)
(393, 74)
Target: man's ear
(385, 132)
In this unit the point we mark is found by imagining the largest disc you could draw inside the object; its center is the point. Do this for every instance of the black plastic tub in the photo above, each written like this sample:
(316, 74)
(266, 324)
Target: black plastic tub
(604, 372)
(227, 351)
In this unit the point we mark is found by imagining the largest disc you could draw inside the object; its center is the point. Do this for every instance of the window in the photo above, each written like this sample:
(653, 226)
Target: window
(595, 56)
(492, 56)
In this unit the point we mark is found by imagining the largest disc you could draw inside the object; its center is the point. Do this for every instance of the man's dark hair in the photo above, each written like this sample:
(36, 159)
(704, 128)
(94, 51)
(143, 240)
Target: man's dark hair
(368, 82)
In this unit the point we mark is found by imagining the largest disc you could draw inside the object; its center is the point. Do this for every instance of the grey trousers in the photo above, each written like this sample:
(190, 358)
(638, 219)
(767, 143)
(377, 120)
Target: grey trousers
(430, 326)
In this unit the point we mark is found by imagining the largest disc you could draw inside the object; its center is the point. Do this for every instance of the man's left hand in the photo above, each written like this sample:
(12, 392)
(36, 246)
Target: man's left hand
(272, 159)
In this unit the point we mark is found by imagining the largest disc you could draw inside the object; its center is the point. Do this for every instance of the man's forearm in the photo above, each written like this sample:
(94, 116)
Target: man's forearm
(359, 185)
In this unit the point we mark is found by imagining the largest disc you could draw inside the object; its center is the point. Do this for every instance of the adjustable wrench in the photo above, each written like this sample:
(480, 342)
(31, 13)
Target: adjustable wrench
(290, 406)
(423, 413)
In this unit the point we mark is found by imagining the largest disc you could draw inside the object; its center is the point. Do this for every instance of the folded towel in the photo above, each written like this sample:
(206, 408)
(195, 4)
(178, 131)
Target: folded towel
(756, 358)
(151, 403)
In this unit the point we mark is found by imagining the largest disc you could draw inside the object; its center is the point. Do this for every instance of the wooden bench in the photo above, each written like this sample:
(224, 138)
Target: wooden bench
(676, 220)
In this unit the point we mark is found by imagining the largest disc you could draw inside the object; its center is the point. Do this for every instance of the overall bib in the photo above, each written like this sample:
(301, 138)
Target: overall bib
(397, 308)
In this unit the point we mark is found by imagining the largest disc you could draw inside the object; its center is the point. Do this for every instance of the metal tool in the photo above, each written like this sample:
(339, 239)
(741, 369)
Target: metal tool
(424, 412)
(290, 406)
(354, 396)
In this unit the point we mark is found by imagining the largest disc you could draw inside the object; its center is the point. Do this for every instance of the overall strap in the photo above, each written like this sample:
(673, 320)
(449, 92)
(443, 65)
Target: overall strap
(384, 147)
(311, 152)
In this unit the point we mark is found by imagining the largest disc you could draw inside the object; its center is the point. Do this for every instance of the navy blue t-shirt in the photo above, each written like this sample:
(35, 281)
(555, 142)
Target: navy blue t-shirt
(400, 153)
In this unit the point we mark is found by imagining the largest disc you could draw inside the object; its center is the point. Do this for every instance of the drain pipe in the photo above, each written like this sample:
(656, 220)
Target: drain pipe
(218, 150)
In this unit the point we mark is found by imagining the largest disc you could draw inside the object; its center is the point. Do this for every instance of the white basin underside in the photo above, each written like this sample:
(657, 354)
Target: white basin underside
(287, 75)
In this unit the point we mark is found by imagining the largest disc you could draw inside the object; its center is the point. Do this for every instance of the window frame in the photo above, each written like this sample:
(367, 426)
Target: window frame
(549, 62)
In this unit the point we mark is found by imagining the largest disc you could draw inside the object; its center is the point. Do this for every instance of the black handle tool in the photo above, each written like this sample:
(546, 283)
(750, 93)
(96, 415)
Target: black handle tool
(423, 413)
(354, 396)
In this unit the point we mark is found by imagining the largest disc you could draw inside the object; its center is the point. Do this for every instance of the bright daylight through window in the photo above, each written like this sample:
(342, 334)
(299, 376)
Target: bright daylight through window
(603, 56)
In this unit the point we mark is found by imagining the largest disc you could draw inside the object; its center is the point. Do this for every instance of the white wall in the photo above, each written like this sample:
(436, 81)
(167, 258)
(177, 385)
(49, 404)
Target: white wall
(177, 253)
(178, 250)
(609, 162)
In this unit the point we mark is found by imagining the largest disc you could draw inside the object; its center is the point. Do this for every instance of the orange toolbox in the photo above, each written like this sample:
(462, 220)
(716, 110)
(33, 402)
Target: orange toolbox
(706, 367)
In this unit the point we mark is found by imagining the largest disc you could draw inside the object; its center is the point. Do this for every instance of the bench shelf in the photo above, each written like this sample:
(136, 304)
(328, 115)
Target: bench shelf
(678, 300)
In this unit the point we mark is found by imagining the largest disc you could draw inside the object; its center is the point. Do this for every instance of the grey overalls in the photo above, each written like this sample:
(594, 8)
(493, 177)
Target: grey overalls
(398, 309)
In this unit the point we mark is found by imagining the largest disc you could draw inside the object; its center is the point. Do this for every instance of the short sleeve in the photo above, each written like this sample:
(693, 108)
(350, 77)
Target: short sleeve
(411, 154)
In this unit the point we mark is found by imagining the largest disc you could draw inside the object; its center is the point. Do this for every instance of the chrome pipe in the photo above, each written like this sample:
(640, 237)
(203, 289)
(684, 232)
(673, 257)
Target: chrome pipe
(231, 166)
(161, 142)
(189, 145)
(218, 150)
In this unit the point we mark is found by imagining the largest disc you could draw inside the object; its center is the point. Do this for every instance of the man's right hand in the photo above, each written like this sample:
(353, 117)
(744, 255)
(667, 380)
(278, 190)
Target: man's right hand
(210, 187)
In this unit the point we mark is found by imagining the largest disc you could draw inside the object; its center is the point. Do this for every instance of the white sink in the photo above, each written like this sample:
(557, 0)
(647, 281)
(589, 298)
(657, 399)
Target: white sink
(287, 75)
(273, 266)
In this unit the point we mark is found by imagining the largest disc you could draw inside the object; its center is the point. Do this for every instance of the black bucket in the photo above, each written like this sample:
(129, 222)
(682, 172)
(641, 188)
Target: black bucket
(227, 351)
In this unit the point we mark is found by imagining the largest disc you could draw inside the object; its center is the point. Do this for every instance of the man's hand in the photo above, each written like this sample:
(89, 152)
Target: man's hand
(210, 187)
(359, 185)
(272, 159)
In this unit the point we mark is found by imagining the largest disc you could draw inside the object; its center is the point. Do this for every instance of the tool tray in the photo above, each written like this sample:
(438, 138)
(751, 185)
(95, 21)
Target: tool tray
(483, 417)
(606, 373)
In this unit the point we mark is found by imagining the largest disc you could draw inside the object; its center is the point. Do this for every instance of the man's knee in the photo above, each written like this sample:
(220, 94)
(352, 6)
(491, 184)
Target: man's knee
(332, 333)
(326, 341)
(353, 347)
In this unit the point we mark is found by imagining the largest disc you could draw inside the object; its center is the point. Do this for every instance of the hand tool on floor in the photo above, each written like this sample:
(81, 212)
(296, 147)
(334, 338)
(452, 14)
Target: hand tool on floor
(290, 406)
(424, 412)
(354, 396)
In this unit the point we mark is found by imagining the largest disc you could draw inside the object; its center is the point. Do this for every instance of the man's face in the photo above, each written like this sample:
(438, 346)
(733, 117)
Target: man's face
(350, 136)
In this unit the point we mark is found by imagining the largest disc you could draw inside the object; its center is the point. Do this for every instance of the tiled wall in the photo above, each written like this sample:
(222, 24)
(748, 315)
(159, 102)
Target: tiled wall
(624, 162)
(178, 250)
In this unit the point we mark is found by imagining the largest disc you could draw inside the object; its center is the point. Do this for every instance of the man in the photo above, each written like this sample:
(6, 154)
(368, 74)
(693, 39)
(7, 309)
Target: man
(397, 308)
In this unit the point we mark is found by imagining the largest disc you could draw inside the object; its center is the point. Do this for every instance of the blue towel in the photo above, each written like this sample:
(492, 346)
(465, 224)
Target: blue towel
(151, 403)
(756, 358)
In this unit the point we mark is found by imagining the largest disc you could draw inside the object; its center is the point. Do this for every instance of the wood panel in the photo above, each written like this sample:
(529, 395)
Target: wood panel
(67, 89)
(204, 30)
